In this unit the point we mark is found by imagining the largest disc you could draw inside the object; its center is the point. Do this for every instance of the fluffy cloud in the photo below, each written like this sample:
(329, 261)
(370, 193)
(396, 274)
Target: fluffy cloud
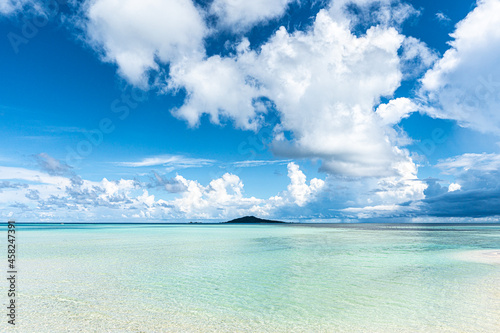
(240, 15)
(475, 192)
(217, 87)
(351, 198)
(416, 58)
(454, 187)
(397, 109)
(327, 104)
(139, 36)
(465, 82)
(387, 196)
(298, 191)
(223, 197)
(404, 187)
(371, 12)
(80, 199)
(325, 81)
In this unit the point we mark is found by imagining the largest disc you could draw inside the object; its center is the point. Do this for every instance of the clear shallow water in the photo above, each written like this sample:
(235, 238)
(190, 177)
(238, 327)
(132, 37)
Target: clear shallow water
(257, 278)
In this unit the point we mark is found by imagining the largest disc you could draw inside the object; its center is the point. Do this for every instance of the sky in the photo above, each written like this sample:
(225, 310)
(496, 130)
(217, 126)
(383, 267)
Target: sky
(208, 110)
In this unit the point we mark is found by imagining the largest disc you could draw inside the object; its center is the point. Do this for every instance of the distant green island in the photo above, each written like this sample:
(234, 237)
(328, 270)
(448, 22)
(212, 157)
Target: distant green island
(252, 219)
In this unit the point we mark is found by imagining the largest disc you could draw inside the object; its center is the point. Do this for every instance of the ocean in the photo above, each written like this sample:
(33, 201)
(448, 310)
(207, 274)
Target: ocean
(256, 278)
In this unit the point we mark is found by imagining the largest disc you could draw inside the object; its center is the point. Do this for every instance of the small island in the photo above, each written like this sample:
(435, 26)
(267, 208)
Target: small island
(252, 219)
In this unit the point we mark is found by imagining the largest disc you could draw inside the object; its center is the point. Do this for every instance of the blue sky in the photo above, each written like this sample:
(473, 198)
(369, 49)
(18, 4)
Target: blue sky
(177, 110)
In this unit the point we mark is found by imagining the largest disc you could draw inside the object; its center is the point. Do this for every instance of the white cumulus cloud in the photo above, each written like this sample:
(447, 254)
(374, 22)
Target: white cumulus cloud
(397, 109)
(240, 15)
(324, 81)
(454, 187)
(298, 191)
(139, 35)
(464, 84)
(217, 87)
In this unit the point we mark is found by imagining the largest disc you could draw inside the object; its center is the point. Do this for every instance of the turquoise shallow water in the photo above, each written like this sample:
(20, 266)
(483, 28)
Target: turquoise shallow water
(256, 278)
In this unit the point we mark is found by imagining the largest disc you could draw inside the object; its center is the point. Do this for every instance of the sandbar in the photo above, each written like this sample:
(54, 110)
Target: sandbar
(491, 256)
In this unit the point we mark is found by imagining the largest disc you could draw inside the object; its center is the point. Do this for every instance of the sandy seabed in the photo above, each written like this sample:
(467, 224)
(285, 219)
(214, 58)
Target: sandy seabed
(258, 279)
(481, 256)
